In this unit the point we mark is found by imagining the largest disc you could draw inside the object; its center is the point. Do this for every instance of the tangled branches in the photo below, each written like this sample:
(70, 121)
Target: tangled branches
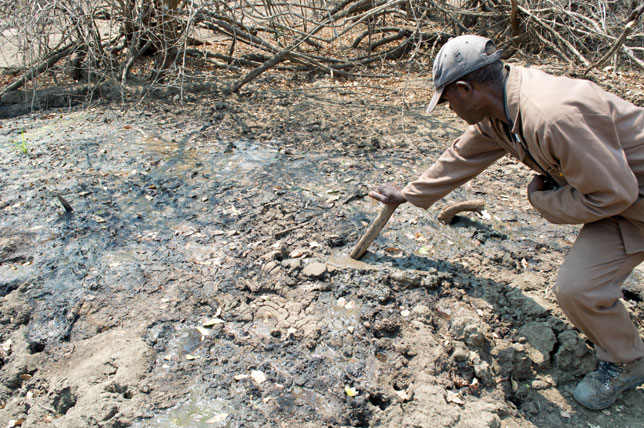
(164, 41)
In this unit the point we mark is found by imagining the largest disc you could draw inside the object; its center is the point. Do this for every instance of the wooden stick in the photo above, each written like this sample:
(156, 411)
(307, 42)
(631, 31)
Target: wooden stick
(373, 231)
(447, 215)
(63, 201)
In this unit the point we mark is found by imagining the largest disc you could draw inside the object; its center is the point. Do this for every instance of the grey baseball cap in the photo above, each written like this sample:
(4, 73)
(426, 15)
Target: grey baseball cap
(457, 58)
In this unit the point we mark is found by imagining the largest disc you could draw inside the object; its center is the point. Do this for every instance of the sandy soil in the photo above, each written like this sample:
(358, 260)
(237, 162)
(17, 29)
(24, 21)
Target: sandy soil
(198, 281)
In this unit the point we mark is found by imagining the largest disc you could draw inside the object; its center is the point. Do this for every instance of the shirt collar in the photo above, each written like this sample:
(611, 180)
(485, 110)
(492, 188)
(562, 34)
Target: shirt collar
(511, 97)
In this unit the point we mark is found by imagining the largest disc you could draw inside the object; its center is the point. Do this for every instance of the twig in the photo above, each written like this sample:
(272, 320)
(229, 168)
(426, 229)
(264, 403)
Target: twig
(630, 54)
(64, 202)
(290, 229)
(49, 409)
(627, 30)
(556, 35)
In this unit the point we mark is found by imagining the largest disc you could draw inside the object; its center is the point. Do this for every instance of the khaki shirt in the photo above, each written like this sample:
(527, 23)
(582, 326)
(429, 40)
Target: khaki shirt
(589, 141)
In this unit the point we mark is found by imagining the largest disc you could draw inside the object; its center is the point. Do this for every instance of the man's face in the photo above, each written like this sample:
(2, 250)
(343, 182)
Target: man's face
(465, 101)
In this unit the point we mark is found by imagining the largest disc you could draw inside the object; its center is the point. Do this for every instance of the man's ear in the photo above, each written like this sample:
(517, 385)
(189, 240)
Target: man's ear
(463, 87)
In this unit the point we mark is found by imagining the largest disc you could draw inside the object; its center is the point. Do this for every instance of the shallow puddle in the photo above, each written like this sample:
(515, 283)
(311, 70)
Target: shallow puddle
(198, 411)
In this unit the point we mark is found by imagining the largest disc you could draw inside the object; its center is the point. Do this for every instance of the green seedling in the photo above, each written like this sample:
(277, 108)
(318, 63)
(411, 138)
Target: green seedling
(21, 145)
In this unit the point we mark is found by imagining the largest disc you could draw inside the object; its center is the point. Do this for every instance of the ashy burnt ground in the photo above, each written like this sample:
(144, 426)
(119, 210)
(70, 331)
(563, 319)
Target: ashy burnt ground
(198, 283)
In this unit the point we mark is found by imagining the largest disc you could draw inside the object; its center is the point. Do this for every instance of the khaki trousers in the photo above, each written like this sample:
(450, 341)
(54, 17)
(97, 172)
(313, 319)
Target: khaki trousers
(588, 291)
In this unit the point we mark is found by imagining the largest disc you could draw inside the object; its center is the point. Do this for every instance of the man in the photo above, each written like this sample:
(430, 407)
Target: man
(587, 147)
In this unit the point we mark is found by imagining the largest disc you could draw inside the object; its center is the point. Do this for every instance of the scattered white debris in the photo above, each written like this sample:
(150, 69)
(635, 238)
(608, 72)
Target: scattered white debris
(258, 376)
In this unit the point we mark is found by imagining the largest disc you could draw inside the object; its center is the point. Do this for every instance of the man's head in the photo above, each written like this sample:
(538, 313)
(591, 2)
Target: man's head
(463, 63)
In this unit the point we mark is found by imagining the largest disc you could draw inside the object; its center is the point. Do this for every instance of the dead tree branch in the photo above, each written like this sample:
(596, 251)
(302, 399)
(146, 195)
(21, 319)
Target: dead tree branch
(154, 40)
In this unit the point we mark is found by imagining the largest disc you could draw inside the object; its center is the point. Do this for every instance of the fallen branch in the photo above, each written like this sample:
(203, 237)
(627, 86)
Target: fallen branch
(556, 35)
(370, 32)
(270, 33)
(404, 32)
(276, 59)
(627, 30)
(45, 64)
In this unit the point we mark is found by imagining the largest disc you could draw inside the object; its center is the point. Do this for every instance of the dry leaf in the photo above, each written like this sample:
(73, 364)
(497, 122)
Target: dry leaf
(211, 322)
(297, 253)
(443, 312)
(402, 395)
(217, 418)
(350, 391)
(203, 331)
(424, 251)
(453, 397)
(97, 218)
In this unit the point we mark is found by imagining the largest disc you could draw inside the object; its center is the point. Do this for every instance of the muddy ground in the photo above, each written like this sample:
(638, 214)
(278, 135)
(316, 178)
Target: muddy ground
(198, 281)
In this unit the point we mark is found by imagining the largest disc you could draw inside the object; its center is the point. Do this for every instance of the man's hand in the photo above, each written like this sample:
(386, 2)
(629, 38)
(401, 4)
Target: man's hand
(537, 184)
(388, 194)
(540, 183)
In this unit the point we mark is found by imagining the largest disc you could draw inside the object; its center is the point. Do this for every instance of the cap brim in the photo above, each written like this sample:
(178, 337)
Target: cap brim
(435, 99)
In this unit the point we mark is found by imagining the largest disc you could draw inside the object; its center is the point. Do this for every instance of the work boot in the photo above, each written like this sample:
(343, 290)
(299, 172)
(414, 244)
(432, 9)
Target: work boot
(599, 389)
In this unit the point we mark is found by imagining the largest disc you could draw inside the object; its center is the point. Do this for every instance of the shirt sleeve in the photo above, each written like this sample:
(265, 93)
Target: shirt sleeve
(600, 182)
(468, 156)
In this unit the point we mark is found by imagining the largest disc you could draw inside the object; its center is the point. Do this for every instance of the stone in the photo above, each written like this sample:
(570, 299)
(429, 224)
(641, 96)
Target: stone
(269, 266)
(258, 376)
(11, 375)
(421, 310)
(292, 264)
(484, 374)
(460, 352)
(469, 329)
(512, 360)
(540, 341)
(315, 270)
(574, 356)
(272, 255)
(407, 278)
